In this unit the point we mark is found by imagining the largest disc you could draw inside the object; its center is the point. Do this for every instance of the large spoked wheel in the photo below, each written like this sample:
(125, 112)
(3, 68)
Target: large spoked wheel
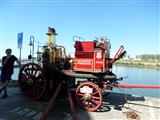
(89, 96)
(31, 81)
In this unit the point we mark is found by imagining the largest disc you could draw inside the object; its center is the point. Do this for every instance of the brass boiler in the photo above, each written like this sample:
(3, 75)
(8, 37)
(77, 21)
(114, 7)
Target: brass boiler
(53, 52)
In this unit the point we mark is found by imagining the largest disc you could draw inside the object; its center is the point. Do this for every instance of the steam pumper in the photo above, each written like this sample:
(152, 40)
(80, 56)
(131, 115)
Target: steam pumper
(87, 74)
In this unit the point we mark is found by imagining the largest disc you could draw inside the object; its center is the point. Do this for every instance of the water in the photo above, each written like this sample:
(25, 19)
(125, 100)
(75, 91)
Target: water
(136, 75)
(145, 76)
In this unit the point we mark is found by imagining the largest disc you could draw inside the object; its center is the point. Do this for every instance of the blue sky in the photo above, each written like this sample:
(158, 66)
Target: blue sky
(132, 23)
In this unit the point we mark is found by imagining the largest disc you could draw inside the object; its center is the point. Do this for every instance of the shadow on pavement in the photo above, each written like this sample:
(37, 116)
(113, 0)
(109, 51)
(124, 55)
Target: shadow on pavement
(17, 107)
(117, 100)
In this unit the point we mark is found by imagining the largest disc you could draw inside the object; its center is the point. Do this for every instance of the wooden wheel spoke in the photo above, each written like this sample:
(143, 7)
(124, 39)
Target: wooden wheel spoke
(27, 72)
(94, 97)
(34, 74)
(36, 71)
(32, 69)
(94, 102)
(80, 94)
(39, 86)
(39, 79)
(39, 82)
(81, 98)
(94, 93)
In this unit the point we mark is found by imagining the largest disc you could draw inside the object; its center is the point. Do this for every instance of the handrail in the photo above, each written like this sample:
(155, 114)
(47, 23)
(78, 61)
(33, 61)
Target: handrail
(78, 38)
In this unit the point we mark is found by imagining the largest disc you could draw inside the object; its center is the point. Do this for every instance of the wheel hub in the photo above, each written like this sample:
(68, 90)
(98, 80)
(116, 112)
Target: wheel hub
(87, 97)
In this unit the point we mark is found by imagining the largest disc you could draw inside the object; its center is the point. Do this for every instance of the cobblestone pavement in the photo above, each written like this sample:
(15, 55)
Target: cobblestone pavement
(17, 107)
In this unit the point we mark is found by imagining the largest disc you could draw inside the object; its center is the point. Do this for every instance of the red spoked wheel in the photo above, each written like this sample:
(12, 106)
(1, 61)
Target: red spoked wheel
(31, 81)
(89, 96)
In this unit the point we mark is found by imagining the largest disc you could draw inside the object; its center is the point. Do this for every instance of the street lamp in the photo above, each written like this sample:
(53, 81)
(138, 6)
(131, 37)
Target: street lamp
(31, 43)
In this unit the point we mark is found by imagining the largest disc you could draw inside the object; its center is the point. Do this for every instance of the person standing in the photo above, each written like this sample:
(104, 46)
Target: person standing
(7, 71)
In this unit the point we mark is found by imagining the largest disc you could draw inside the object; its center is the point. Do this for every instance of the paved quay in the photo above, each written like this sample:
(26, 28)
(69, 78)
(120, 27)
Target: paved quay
(114, 107)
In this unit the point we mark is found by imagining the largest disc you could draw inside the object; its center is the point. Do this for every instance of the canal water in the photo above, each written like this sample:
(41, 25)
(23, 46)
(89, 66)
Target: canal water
(135, 75)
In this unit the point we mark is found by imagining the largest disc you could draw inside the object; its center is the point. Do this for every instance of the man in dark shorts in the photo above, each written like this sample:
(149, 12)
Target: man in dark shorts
(7, 70)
